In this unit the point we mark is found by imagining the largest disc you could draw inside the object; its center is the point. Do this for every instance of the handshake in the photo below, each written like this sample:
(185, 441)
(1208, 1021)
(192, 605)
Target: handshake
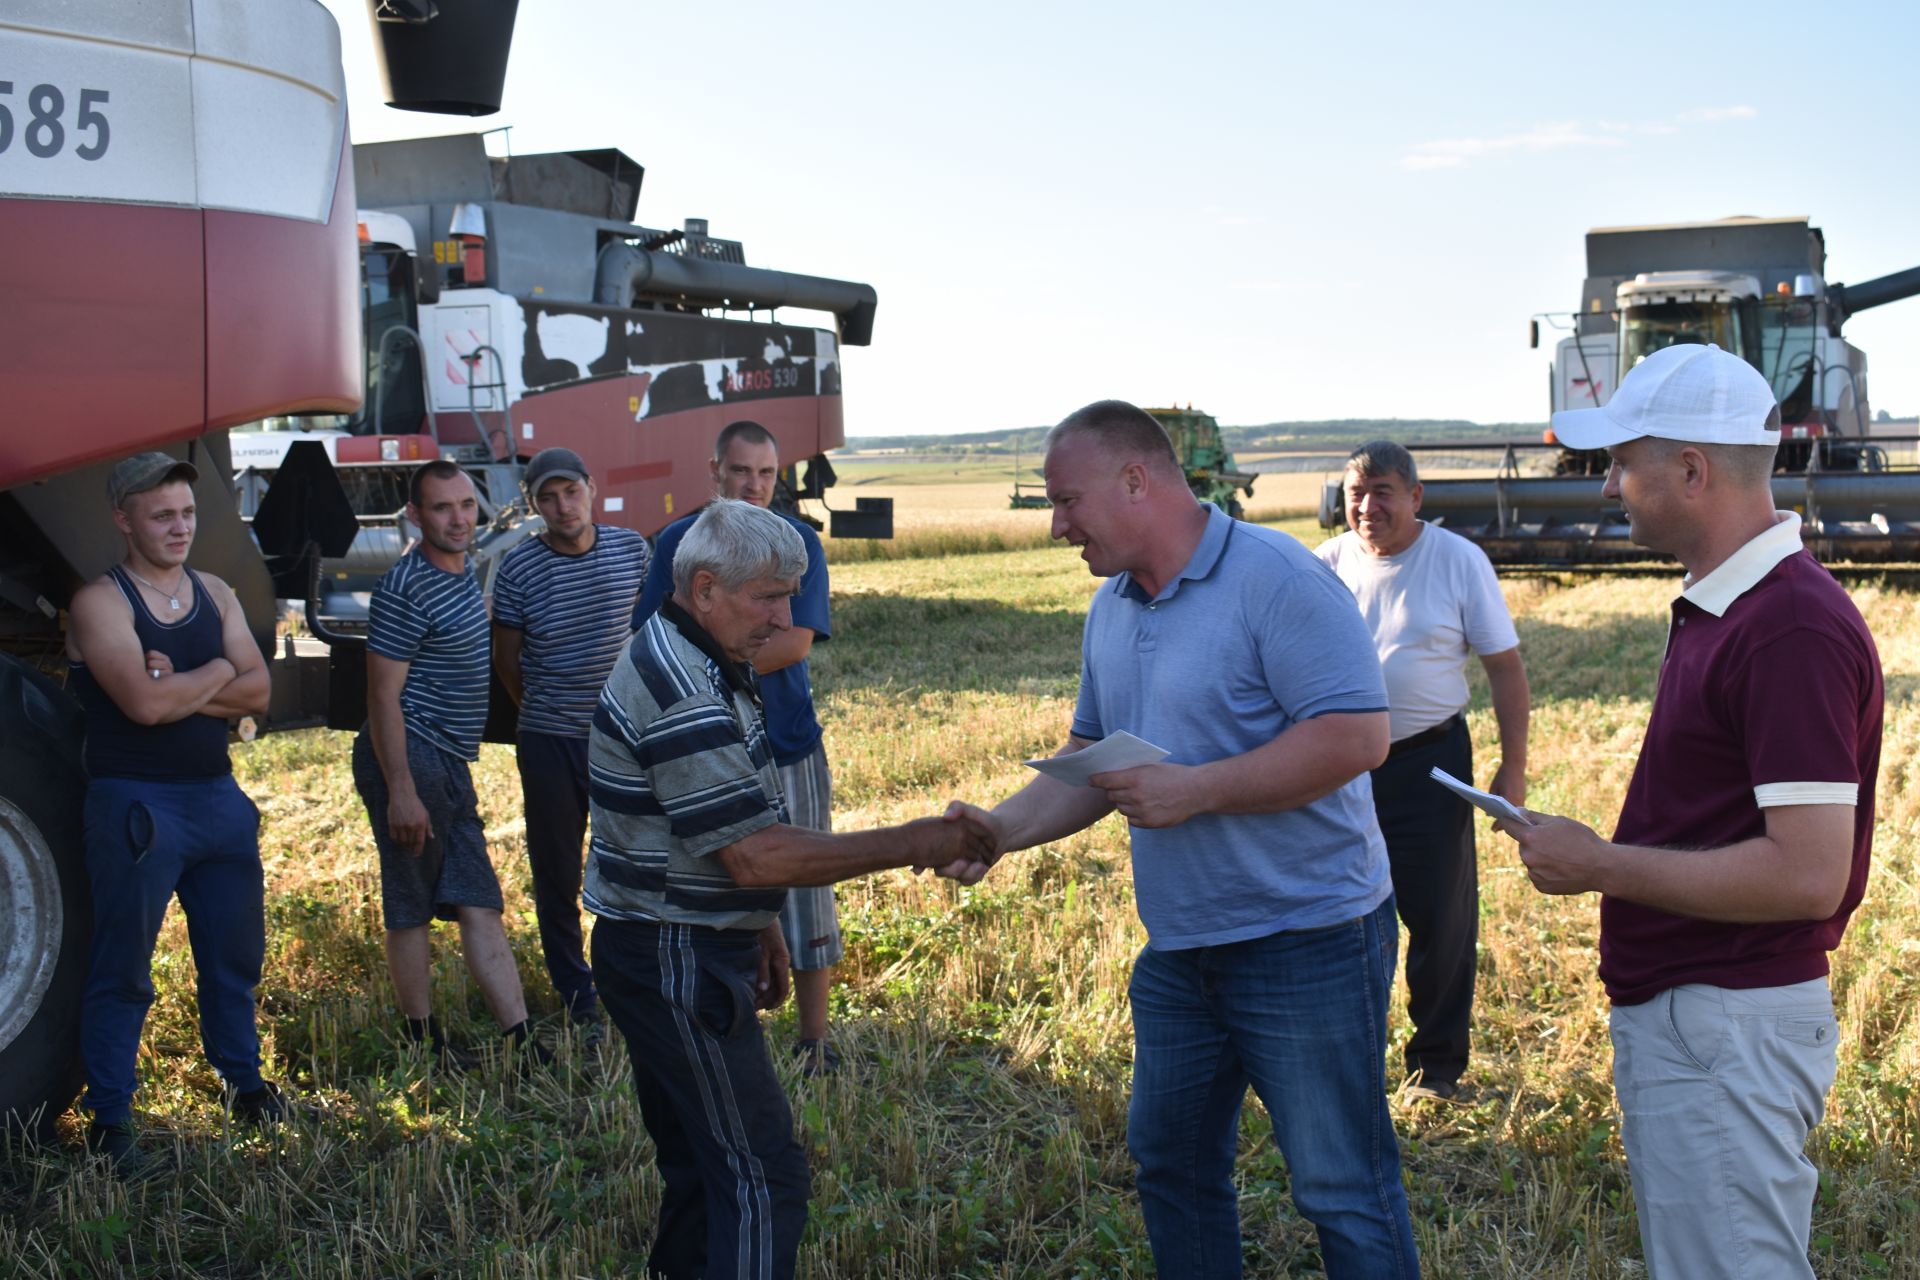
(960, 844)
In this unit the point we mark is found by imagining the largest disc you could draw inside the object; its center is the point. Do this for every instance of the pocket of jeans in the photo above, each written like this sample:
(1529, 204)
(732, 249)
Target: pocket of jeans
(1697, 1024)
(1814, 1030)
(725, 1007)
(141, 830)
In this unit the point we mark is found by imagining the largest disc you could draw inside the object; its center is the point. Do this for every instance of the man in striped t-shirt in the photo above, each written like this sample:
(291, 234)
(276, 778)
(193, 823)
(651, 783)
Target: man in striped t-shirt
(561, 605)
(691, 851)
(426, 707)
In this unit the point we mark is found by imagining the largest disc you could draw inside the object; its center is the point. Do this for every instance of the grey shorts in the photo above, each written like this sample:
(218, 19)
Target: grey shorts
(453, 870)
(809, 921)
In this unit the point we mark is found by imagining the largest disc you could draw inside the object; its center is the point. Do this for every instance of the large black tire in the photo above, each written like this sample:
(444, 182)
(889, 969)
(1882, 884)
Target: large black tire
(46, 912)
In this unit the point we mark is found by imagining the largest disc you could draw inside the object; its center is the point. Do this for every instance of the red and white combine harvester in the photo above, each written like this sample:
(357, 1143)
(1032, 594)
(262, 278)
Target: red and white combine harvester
(198, 260)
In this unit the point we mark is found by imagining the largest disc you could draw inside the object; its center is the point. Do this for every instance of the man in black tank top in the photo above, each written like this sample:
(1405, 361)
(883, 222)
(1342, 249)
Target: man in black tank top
(161, 659)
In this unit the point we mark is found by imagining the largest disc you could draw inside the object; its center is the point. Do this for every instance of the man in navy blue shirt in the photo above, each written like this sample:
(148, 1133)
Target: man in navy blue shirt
(746, 465)
(161, 659)
(1259, 870)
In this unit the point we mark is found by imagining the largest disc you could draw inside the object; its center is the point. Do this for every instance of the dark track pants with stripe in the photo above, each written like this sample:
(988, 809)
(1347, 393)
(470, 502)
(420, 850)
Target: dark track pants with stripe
(736, 1180)
(553, 783)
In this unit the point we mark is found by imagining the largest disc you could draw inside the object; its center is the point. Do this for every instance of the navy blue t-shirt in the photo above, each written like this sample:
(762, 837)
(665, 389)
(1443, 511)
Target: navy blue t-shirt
(786, 694)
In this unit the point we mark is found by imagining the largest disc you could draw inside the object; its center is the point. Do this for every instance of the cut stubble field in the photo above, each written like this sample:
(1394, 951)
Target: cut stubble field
(979, 1130)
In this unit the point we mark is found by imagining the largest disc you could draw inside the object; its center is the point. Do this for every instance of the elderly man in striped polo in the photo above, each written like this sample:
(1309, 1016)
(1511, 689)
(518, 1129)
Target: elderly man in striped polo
(689, 861)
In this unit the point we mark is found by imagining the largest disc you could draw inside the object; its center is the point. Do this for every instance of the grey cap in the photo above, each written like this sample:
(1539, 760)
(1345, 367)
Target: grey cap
(144, 471)
(549, 463)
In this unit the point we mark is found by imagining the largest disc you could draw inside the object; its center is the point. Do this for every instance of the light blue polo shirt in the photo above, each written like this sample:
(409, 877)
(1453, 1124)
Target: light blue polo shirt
(1254, 636)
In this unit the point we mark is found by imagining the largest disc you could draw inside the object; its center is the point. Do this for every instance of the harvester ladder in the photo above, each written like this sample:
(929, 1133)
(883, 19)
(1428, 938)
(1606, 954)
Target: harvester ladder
(498, 369)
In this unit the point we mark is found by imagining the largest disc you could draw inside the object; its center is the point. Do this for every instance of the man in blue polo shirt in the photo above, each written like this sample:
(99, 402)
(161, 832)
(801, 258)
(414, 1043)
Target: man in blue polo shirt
(426, 708)
(1258, 868)
(1743, 843)
(561, 604)
(746, 466)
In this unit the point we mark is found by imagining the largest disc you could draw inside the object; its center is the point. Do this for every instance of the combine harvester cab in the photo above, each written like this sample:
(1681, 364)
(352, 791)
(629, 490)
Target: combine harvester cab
(1754, 286)
(511, 304)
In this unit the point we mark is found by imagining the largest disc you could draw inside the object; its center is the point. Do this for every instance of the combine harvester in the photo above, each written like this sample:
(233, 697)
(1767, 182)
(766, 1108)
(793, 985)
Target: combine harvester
(1211, 471)
(190, 270)
(1755, 286)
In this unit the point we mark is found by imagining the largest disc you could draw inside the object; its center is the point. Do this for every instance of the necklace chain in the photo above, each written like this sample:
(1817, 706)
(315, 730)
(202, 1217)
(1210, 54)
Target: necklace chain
(173, 596)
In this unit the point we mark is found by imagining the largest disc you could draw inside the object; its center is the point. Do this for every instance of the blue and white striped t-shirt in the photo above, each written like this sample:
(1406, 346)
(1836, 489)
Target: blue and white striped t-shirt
(437, 622)
(574, 612)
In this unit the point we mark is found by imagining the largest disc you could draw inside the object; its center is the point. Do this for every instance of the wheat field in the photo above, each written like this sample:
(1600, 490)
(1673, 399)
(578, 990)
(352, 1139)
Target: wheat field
(979, 1129)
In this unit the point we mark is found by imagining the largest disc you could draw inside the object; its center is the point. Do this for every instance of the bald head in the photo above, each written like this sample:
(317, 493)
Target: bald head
(1121, 432)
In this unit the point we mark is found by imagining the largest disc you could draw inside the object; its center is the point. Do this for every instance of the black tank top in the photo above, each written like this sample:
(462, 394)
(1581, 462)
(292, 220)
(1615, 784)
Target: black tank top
(193, 747)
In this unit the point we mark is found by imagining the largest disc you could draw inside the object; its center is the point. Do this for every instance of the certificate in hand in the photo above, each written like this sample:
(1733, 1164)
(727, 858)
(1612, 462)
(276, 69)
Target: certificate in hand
(1118, 750)
(1485, 801)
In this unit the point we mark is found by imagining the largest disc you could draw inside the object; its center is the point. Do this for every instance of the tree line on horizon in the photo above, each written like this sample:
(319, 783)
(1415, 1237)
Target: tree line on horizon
(1323, 433)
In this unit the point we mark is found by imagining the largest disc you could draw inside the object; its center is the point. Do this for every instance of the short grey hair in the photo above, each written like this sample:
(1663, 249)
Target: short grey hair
(738, 543)
(1379, 458)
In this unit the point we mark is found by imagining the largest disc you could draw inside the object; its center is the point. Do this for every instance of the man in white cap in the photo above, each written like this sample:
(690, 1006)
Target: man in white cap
(1742, 847)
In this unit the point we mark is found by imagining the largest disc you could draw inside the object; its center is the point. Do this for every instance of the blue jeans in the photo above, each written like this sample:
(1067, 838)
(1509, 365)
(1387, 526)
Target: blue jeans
(1302, 1017)
(147, 841)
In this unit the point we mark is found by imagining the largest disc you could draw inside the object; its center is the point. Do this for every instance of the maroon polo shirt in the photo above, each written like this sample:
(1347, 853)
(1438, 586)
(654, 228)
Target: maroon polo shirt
(1769, 694)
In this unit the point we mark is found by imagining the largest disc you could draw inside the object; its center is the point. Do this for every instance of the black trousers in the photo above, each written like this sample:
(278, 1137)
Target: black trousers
(553, 783)
(1436, 881)
(737, 1184)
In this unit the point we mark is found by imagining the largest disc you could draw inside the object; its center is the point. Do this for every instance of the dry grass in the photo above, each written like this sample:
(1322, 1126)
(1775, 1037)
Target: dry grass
(982, 1131)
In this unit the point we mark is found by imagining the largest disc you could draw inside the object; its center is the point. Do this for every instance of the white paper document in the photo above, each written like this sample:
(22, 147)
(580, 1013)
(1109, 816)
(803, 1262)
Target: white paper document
(1485, 801)
(1118, 750)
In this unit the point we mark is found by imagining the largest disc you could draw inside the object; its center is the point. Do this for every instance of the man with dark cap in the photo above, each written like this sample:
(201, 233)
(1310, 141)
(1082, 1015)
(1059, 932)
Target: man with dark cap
(161, 660)
(561, 605)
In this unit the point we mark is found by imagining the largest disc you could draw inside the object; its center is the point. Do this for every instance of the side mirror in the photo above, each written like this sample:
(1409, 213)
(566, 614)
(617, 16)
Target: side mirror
(426, 283)
(1533, 334)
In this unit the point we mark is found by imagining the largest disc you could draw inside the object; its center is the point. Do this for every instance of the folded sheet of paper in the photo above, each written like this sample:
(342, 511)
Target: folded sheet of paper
(1118, 750)
(1485, 801)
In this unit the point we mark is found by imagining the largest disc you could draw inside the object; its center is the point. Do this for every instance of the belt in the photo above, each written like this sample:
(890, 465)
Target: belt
(1424, 738)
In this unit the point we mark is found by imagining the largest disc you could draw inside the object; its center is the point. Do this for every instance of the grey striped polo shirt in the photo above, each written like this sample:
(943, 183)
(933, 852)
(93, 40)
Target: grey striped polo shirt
(574, 612)
(678, 768)
(437, 622)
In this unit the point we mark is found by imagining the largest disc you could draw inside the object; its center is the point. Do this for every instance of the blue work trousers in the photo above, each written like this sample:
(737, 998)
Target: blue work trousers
(1302, 1017)
(553, 785)
(147, 841)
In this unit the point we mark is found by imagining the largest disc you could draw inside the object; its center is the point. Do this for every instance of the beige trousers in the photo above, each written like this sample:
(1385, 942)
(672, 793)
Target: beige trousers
(1718, 1089)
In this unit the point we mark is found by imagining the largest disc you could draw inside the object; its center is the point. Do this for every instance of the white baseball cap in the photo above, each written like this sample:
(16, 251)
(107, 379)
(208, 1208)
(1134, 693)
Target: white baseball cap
(1690, 392)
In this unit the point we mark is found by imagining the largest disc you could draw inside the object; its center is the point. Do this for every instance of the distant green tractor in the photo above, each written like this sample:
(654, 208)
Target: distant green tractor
(1203, 455)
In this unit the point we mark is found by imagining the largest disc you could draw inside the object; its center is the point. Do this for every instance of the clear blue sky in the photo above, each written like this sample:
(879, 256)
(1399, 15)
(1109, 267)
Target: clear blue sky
(1274, 211)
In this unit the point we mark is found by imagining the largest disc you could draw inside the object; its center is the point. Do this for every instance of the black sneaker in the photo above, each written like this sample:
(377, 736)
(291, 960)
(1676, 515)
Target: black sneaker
(528, 1050)
(1433, 1091)
(456, 1059)
(260, 1107)
(131, 1162)
(817, 1058)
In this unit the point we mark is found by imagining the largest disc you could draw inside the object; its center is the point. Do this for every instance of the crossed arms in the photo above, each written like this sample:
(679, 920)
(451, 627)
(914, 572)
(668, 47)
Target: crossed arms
(232, 685)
